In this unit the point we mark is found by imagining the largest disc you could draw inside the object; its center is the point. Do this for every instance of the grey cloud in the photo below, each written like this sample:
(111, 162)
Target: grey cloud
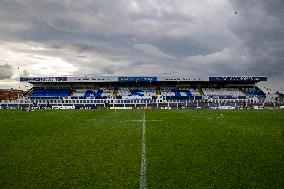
(260, 27)
(6, 71)
(150, 50)
(26, 73)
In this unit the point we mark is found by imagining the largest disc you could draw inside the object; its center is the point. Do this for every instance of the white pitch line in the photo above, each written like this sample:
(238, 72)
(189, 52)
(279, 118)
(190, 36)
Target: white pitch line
(154, 120)
(143, 184)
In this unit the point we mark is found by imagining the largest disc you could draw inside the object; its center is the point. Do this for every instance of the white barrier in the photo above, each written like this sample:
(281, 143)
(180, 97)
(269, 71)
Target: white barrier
(227, 107)
(63, 107)
(121, 108)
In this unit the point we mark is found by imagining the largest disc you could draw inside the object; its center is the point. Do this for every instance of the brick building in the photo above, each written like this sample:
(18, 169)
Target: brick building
(10, 94)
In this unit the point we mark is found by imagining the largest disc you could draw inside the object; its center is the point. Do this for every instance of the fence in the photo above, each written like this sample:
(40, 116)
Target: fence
(137, 103)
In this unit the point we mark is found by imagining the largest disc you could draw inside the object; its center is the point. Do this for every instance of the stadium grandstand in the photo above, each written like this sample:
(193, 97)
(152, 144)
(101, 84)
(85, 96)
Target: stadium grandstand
(140, 92)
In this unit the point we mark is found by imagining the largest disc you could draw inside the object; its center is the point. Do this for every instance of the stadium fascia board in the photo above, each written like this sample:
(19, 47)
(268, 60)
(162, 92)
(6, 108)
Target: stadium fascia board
(238, 78)
(102, 79)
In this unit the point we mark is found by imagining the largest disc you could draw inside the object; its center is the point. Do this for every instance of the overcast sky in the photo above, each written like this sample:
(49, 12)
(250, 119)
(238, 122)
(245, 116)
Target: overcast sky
(142, 37)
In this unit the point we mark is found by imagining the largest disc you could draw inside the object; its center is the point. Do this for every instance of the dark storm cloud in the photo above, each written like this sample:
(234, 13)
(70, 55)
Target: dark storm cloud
(6, 71)
(151, 37)
(261, 30)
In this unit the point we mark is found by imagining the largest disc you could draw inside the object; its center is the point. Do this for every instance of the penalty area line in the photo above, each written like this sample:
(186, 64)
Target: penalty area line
(143, 184)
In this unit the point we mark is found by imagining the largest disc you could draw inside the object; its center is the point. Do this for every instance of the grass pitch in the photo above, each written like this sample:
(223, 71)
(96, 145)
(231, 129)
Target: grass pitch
(102, 149)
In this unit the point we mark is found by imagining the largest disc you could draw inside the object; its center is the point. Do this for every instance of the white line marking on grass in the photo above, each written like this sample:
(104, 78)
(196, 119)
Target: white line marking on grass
(154, 120)
(129, 120)
(143, 184)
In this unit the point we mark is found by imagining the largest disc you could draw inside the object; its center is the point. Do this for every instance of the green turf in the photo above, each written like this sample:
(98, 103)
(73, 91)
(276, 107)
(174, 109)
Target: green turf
(69, 149)
(102, 149)
(203, 149)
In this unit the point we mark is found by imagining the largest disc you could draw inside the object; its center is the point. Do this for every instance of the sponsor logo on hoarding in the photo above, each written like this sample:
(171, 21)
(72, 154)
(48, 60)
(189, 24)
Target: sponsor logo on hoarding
(137, 78)
(240, 78)
(43, 79)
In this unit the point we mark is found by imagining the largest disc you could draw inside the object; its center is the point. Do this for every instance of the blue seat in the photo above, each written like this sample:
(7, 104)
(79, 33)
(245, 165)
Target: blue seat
(50, 92)
(136, 92)
(254, 92)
